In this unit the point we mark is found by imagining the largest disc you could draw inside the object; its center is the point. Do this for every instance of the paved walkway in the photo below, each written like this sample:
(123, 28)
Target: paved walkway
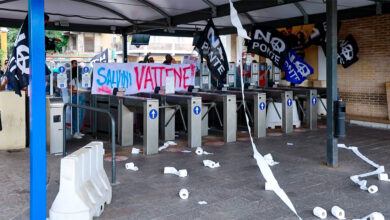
(233, 191)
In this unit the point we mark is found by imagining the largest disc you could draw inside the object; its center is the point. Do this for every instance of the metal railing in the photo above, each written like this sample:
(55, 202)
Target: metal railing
(113, 165)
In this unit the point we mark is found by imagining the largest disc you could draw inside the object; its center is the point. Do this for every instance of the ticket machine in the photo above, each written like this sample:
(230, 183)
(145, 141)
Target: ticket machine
(254, 75)
(231, 75)
(205, 77)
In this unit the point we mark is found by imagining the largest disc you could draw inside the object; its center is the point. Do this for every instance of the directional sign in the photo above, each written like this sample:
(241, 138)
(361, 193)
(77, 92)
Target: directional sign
(153, 114)
(86, 69)
(262, 106)
(314, 100)
(289, 102)
(61, 69)
(197, 110)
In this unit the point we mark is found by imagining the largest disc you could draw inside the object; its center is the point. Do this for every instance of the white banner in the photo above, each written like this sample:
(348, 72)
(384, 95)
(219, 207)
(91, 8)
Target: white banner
(139, 77)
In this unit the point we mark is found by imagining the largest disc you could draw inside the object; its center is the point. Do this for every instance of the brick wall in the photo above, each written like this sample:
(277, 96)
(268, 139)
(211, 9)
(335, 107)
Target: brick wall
(362, 85)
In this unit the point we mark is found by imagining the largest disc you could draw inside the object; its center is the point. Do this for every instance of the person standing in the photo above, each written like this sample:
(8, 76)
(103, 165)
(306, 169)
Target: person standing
(168, 59)
(76, 85)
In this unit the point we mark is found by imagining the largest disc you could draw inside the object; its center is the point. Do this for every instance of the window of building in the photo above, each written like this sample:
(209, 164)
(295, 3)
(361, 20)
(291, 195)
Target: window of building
(89, 42)
(74, 42)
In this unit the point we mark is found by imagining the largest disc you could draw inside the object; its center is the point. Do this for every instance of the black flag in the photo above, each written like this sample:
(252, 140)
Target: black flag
(101, 57)
(270, 43)
(18, 69)
(210, 47)
(347, 51)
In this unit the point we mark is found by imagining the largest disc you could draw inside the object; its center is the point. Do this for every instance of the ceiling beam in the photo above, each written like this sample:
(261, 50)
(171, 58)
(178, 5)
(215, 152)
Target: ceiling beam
(303, 12)
(212, 6)
(250, 18)
(157, 9)
(107, 9)
(359, 12)
(224, 10)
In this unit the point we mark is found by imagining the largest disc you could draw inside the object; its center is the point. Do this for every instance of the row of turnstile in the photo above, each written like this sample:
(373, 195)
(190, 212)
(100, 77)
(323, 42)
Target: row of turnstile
(161, 116)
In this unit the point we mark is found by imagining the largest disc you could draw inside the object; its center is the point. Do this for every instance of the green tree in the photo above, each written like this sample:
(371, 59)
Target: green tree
(13, 32)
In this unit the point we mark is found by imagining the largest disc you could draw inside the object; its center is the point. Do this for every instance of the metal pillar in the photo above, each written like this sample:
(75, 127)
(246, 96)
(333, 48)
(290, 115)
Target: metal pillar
(311, 109)
(124, 37)
(36, 33)
(194, 111)
(287, 112)
(150, 127)
(259, 111)
(331, 80)
(229, 118)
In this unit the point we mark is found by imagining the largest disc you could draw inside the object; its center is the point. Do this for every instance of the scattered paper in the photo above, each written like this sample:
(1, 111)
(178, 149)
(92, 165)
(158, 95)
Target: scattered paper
(320, 212)
(338, 212)
(380, 170)
(290, 144)
(202, 203)
(210, 163)
(186, 151)
(173, 170)
(373, 216)
(131, 166)
(199, 151)
(183, 193)
(135, 151)
(166, 145)
(262, 164)
(269, 186)
(383, 177)
(270, 161)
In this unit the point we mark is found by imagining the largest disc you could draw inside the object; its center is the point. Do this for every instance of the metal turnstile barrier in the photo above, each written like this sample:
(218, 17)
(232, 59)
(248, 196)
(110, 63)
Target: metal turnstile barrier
(229, 112)
(123, 108)
(194, 116)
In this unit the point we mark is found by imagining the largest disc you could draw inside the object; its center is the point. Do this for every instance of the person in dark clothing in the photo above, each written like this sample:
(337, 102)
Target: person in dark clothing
(168, 59)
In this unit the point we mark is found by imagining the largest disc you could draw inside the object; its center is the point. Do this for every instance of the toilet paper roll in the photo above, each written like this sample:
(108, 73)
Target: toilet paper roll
(320, 212)
(183, 193)
(209, 163)
(372, 189)
(131, 166)
(383, 176)
(376, 216)
(338, 212)
(183, 173)
(199, 151)
(135, 151)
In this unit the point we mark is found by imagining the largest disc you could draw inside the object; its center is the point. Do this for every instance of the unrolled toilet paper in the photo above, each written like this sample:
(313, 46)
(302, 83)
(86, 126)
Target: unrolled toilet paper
(135, 151)
(183, 193)
(131, 166)
(319, 212)
(210, 163)
(199, 151)
(172, 170)
(383, 176)
(338, 212)
(372, 189)
(183, 173)
(269, 186)
(270, 161)
(373, 216)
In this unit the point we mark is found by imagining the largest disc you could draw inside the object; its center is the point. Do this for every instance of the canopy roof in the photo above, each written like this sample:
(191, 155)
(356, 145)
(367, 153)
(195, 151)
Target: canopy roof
(179, 17)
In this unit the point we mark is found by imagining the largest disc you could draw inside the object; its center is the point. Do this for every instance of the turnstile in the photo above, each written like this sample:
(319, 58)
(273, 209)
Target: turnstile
(286, 98)
(123, 109)
(194, 110)
(259, 104)
(229, 113)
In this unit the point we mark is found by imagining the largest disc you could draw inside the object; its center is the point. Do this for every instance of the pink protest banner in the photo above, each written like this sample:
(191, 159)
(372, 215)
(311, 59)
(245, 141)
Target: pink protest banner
(139, 77)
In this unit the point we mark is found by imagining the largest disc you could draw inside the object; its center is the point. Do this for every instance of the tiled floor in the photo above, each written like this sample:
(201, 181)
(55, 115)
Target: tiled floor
(233, 191)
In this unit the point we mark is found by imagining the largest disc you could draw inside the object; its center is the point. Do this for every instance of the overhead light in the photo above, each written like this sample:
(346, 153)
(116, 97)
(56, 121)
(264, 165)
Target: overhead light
(113, 29)
(64, 23)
